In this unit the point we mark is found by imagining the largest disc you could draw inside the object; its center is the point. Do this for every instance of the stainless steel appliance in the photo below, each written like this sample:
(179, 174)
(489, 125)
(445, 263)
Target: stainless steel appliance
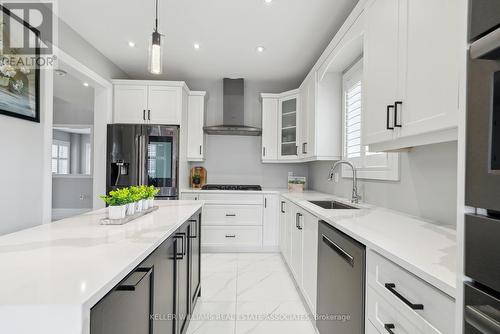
(482, 228)
(231, 187)
(341, 282)
(143, 155)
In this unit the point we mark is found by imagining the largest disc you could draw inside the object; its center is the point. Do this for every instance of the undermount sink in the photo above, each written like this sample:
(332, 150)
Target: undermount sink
(332, 205)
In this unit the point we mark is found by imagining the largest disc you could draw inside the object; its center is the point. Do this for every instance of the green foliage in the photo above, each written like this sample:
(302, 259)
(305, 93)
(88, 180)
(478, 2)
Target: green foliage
(128, 195)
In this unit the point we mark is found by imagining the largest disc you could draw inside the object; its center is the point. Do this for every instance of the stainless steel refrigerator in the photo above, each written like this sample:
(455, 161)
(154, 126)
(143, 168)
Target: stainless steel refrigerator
(139, 154)
(482, 226)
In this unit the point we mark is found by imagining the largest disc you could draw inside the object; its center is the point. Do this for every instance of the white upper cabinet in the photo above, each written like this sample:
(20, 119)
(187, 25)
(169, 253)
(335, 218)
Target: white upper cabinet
(130, 103)
(411, 70)
(164, 105)
(288, 129)
(196, 121)
(380, 70)
(269, 128)
(430, 53)
(155, 102)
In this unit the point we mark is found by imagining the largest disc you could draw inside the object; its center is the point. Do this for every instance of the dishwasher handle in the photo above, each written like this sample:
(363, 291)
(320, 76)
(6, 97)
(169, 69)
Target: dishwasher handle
(339, 250)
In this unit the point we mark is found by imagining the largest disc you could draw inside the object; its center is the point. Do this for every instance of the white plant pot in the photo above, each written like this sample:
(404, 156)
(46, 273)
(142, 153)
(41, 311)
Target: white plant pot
(145, 204)
(117, 212)
(130, 209)
(138, 206)
(151, 202)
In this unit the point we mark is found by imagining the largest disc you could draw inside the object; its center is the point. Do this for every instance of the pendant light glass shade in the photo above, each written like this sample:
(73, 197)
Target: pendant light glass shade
(155, 54)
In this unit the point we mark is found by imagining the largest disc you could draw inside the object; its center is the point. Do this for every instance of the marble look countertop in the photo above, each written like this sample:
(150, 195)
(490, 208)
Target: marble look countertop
(263, 191)
(426, 249)
(54, 273)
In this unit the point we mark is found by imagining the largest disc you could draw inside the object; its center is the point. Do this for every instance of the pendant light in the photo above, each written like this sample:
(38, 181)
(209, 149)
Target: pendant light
(155, 54)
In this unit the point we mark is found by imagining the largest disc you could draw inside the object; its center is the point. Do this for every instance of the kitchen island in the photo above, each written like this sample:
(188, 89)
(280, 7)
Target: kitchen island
(54, 274)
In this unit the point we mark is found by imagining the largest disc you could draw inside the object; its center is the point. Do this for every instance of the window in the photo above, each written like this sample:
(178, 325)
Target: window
(371, 165)
(60, 157)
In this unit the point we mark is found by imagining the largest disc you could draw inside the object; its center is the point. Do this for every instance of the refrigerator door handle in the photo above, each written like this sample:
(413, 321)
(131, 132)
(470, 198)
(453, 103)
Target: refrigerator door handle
(142, 159)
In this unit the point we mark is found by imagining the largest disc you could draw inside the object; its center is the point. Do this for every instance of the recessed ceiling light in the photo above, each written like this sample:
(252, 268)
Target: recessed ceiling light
(268, 1)
(196, 46)
(60, 72)
(260, 49)
(86, 84)
(131, 44)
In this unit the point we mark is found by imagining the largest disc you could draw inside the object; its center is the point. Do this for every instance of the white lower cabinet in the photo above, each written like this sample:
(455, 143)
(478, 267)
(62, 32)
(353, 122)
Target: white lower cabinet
(310, 259)
(426, 308)
(270, 221)
(236, 237)
(296, 244)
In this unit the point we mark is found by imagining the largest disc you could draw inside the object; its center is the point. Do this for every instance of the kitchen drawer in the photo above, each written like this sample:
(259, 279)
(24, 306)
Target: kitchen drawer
(383, 315)
(233, 215)
(237, 236)
(438, 308)
(232, 198)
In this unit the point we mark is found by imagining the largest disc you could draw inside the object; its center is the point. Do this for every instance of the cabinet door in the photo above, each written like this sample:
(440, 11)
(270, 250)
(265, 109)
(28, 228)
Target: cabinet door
(430, 57)
(182, 273)
(296, 262)
(271, 221)
(289, 225)
(380, 70)
(194, 258)
(283, 223)
(303, 131)
(130, 103)
(310, 147)
(196, 120)
(310, 259)
(288, 128)
(269, 129)
(126, 309)
(164, 105)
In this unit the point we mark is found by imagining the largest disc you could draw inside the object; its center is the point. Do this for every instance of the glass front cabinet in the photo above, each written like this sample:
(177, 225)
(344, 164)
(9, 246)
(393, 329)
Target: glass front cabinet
(288, 125)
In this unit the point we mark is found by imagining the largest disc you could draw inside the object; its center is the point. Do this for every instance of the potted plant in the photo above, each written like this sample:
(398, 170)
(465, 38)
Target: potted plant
(151, 192)
(137, 195)
(117, 201)
(296, 185)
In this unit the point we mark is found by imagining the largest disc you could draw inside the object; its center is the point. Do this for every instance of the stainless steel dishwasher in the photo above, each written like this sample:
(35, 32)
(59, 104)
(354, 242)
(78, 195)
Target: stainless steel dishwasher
(341, 282)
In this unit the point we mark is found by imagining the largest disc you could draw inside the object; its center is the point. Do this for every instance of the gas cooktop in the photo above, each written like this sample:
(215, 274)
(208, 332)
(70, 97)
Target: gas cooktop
(231, 187)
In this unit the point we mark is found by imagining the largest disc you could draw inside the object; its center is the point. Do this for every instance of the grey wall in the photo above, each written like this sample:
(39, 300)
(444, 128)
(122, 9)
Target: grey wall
(73, 193)
(427, 188)
(236, 159)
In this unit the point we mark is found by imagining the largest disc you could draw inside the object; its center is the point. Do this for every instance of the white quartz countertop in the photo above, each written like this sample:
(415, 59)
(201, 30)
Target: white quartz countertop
(426, 249)
(263, 191)
(54, 273)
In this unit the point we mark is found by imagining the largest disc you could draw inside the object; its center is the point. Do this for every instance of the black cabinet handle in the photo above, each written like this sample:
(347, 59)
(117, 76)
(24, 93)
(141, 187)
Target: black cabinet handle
(230, 236)
(304, 148)
(389, 127)
(144, 114)
(265, 202)
(200, 149)
(134, 279)
(263, 151)
(296, 150)
(182, 235)
(389, 328)
(282, 207)
(392, 288)
(300, 217)
(396, 104)
(149, 115)
(230, 214)
(297, 220)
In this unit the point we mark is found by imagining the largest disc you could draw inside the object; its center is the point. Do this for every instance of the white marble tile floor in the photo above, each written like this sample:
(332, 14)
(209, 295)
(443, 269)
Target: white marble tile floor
(248, 293)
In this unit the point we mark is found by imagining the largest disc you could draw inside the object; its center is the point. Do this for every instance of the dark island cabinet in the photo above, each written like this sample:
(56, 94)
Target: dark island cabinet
(157, 297)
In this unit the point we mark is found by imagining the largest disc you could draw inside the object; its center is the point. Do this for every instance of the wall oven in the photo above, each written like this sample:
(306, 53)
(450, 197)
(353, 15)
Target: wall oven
(482, 228)
(143, 155)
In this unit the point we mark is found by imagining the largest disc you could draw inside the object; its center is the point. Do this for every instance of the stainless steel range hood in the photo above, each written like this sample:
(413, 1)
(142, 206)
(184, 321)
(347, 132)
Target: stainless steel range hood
(233, 112)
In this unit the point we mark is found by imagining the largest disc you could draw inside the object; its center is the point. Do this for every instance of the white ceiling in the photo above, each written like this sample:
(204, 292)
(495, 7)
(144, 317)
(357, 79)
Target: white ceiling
(294, 33)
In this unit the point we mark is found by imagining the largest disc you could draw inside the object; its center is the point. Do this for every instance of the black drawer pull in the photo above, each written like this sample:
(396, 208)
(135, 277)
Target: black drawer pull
(282, 207)
(396, 104)
(230, 236)
(230, 214)
(149, 114)
(144, 115)
(337, 249)
(389, 127)
(193, 227)
(389, 328)
(392, 288)
(131, 283)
